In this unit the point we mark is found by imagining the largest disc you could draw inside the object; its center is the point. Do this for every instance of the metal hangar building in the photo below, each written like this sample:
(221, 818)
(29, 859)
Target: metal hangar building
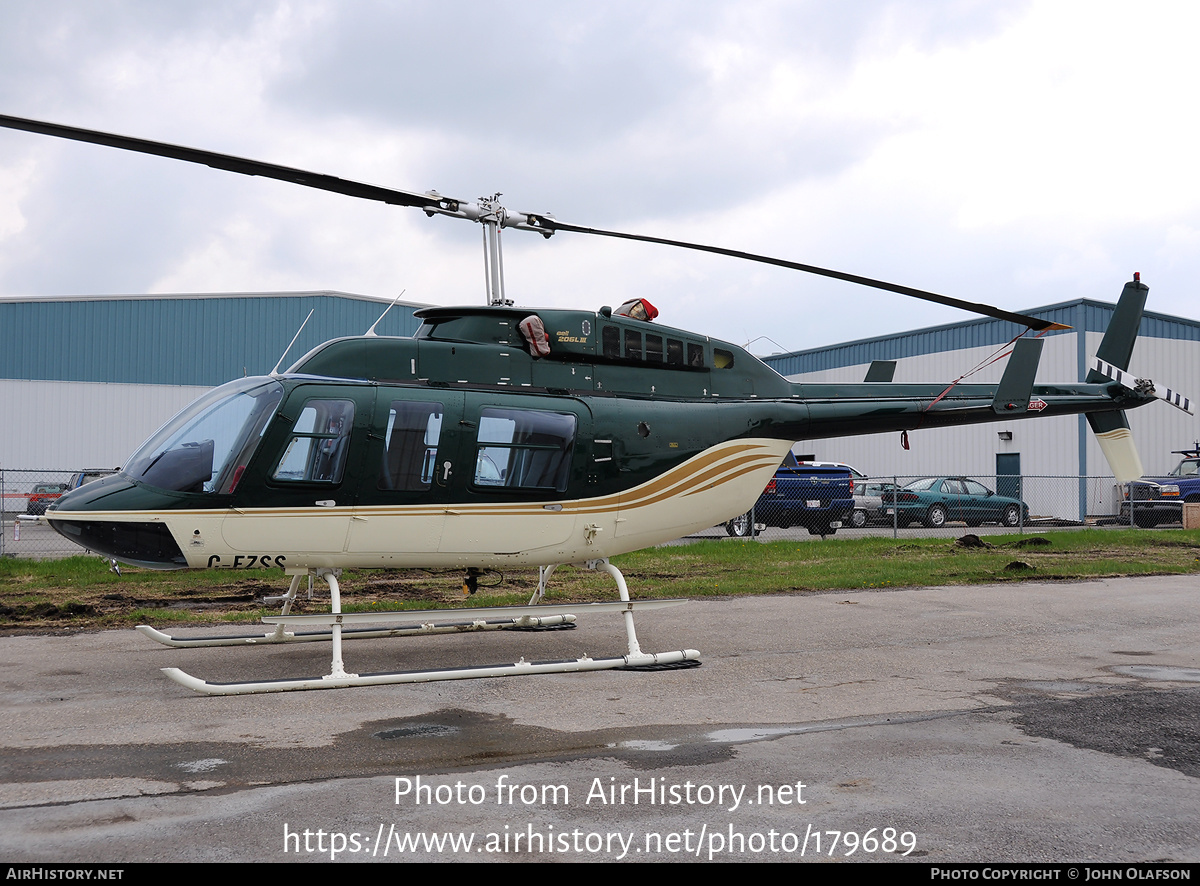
(1167, 351)
(86, 379)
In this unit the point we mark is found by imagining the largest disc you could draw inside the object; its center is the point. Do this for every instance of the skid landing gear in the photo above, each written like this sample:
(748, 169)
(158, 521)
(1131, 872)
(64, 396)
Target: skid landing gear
(425, 627)
(337, 626)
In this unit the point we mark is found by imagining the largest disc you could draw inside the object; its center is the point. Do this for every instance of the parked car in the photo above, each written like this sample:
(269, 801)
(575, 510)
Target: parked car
(42, 495)
(87, 476)
(45, 494)
(1160, 499)
(855, 474)
(936, 501)
(868, 503)
(800, 494)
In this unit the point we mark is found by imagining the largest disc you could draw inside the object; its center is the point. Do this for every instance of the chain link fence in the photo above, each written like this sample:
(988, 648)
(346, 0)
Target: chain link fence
(24, 496)
(951, 506)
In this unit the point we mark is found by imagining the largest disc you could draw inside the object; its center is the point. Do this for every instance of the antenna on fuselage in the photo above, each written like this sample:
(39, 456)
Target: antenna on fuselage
(275, 371)
(371, 332)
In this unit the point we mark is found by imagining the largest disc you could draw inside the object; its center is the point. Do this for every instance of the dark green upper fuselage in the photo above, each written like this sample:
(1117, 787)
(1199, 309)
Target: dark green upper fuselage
(616, 404)
(589, 353)
(645, 398)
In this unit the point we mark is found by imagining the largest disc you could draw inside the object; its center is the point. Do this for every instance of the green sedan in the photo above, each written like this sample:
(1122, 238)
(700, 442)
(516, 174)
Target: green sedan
(935, 501)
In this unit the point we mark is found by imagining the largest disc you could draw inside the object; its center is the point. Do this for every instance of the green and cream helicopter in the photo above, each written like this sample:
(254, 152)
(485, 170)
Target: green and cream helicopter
(501, 436)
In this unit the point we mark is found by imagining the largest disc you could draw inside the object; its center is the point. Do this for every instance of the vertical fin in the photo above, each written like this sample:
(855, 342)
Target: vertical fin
(1112, 428)
(1116, 442)
(1117, 345)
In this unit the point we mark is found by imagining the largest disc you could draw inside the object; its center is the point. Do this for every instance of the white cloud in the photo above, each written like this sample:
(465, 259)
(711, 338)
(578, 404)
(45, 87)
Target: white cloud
(1013, 153)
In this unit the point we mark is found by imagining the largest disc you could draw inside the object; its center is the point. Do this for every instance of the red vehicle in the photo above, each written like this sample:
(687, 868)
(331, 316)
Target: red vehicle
(45, 493)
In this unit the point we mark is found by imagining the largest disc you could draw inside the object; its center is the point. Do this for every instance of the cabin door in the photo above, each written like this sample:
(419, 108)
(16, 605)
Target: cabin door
(299, 490)
(521, 459)
(410, 466)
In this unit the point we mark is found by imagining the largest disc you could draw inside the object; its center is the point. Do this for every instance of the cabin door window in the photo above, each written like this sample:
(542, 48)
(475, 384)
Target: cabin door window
(319, 443)
(524, 449)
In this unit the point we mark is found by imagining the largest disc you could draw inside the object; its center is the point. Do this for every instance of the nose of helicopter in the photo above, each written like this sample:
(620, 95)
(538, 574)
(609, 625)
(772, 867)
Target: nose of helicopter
(119, 518)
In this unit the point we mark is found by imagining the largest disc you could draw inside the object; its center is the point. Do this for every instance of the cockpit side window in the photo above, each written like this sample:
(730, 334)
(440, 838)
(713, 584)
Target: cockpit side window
(319, 445)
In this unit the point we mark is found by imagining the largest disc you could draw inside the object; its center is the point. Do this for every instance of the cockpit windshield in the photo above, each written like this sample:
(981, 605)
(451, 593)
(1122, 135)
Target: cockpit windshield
(206, 447)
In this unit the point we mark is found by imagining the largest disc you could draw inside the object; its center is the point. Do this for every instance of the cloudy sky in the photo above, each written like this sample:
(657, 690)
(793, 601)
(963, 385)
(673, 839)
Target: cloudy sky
(1018, 153)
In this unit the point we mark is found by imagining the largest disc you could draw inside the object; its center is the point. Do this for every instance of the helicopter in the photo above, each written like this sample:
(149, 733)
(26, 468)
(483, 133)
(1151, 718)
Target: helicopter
(501, 436)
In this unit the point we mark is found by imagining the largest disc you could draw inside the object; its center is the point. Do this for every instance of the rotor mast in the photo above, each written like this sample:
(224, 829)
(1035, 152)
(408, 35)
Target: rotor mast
(490, 213)
(493, 252)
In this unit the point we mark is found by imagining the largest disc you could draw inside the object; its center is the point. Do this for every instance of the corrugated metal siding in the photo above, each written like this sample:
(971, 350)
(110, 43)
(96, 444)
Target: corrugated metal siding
(984, 332)
(1048, 446)
(58, 425)
(180, 340)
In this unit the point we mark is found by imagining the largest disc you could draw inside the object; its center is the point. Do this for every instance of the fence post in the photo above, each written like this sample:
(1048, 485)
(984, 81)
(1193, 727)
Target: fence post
(3, 501)
(1021, 506)
(895, 508)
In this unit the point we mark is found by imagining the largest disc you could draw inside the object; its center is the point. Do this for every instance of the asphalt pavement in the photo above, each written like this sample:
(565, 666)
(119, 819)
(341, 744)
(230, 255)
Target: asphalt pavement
(1014, 722)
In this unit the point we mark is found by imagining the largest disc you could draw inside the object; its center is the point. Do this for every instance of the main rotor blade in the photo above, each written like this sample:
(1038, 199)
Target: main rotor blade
(436, 203)
(229, 163)
(975, 307)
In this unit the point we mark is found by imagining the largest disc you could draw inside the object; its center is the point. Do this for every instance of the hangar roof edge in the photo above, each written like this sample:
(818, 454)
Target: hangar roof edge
(179, 296)
(1088, 315)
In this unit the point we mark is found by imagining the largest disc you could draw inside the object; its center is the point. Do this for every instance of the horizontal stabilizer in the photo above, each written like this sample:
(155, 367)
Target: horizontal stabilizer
(1016, 386)
(1141, 385)
(881, 370)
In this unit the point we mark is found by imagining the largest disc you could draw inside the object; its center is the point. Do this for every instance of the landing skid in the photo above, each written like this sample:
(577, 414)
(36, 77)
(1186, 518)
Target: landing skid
(520, 668)
(341, 626)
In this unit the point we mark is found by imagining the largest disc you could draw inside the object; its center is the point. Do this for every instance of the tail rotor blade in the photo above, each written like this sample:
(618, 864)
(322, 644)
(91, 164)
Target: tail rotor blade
(1141, 385)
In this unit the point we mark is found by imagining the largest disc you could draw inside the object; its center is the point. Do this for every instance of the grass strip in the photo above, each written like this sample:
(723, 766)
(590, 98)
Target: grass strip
(80, 593)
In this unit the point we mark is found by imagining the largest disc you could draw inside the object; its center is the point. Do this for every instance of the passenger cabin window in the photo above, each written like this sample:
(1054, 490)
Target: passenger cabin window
(633, 344)
(722, 359)
(410, 445)
(524, 449)
(611, 342)
(319, 445)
